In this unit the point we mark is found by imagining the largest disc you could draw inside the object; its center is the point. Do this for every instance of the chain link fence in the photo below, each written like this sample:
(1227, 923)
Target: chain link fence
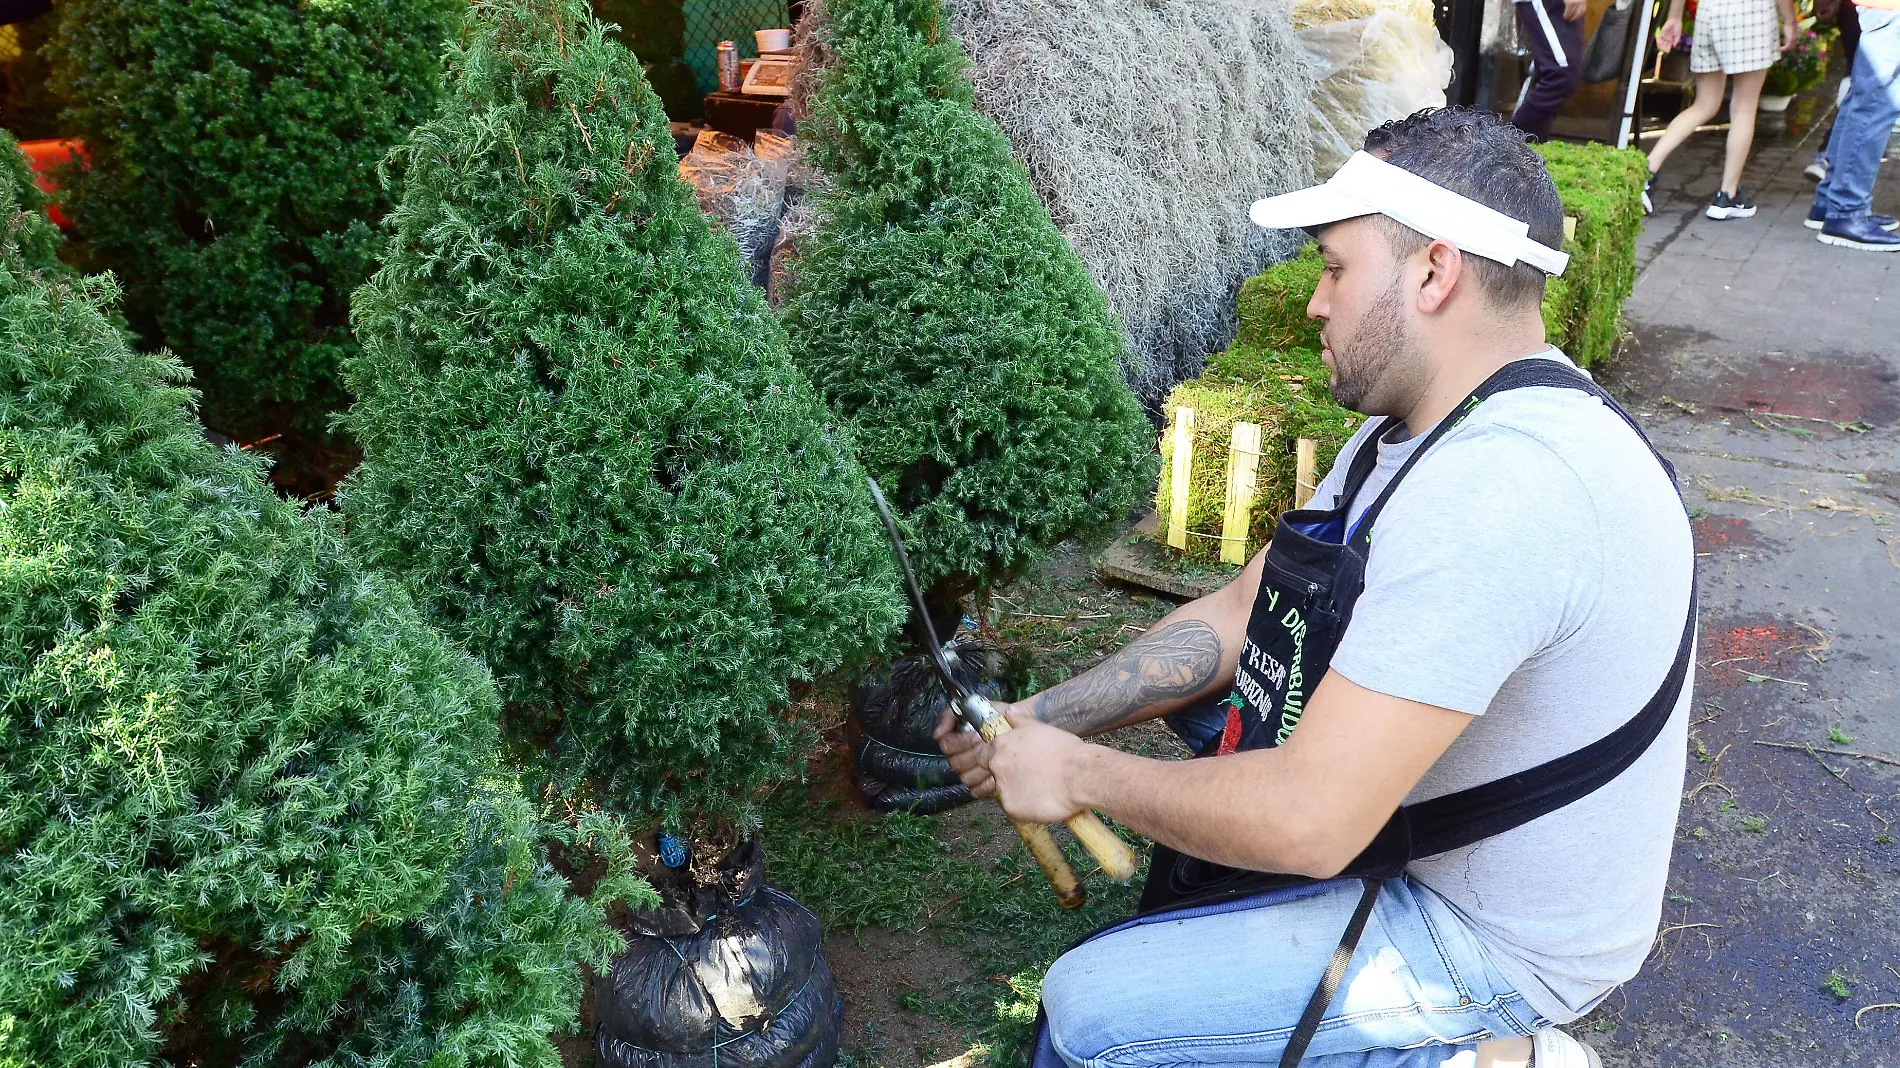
(709, 22)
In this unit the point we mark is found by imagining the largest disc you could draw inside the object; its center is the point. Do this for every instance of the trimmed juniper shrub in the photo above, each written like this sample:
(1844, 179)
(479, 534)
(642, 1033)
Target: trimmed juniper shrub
(584, 445)
(233, 184)
(32, 238)
(937, 308)
(250, 811)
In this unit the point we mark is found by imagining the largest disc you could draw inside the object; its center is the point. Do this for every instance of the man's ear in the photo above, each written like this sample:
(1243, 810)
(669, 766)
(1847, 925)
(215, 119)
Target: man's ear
(1444, 265)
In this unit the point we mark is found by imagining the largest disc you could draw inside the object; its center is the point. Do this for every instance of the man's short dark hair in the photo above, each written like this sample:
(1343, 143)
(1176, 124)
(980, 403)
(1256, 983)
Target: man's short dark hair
(1486, 159)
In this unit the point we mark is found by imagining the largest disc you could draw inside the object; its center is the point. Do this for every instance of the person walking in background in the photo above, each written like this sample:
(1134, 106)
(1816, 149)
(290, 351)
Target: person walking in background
(1844, 17)
(1843, 202)
(1733, 38)
(1553, 29)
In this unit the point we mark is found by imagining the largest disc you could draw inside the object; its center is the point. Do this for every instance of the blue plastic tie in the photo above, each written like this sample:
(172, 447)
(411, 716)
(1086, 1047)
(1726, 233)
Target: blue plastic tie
(673, 850)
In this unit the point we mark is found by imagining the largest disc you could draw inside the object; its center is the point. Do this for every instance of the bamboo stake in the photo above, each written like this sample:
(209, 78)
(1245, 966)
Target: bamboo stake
(1305, 471)
(1183, 468)
(1243, 464)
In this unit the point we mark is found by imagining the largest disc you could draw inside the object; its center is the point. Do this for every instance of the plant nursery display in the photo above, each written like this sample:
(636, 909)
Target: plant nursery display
(1271, 377)
(233, 186)
(585, 448)
(939, 311)
(1147, 129)
(250, 811)
(1602, 190)
(1799, 68)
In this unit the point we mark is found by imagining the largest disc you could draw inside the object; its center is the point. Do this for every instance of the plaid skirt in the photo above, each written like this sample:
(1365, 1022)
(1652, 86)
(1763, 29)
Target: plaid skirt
(1735, 36)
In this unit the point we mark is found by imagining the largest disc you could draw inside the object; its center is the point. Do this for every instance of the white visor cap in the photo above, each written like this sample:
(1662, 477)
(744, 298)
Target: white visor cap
(1368, 185)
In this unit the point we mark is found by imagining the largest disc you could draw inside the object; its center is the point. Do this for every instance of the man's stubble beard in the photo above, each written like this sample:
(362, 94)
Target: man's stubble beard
(1374, 371)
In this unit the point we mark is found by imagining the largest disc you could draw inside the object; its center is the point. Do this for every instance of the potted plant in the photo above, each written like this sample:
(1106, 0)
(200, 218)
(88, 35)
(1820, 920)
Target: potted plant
(1799, 68)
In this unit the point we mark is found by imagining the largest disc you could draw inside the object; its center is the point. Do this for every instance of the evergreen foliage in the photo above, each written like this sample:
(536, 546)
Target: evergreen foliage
(249, 808)
(938, 309)
(34, 239)
(233, 183)
(585, 446)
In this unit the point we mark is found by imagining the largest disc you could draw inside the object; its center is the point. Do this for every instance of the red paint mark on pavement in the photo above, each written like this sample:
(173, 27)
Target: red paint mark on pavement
(1729, 655)
(1714, 532)
(1836, 390)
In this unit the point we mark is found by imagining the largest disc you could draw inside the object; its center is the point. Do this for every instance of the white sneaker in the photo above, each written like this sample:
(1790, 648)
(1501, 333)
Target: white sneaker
(1552, 1048)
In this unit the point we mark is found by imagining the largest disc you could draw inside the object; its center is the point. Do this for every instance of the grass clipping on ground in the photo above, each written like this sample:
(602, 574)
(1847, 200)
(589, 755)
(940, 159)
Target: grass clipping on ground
(1273, 376)
(1602, 189)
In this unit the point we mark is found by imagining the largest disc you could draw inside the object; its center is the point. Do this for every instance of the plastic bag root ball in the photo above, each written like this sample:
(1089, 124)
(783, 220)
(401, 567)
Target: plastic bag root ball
(751, 989)
(894, 711)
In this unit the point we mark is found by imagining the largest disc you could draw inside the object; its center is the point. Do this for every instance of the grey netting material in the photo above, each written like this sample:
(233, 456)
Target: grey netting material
(1148, 127)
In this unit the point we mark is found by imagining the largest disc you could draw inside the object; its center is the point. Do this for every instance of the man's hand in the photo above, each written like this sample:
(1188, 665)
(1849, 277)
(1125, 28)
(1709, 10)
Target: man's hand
(969, 754)
(1669, 36)
(1574, 10)
(1035, 765)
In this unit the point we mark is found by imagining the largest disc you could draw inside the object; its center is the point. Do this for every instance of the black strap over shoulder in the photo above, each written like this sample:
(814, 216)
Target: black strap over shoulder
(1519, 374)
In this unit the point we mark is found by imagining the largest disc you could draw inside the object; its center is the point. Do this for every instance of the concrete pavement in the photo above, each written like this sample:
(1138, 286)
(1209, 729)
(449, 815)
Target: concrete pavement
(1767, 367)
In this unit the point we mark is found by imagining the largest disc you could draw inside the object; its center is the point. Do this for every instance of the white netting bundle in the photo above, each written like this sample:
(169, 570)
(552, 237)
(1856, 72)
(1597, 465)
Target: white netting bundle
(1148, 127)
(1377, 60)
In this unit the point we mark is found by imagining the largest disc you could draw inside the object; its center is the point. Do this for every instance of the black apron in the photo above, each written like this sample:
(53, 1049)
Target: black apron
(1314, 572)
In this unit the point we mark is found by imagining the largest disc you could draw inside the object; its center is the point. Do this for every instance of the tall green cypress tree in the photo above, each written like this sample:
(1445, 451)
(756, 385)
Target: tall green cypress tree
(250, 810)
(584, 445)
(938, 309)
(233, 183)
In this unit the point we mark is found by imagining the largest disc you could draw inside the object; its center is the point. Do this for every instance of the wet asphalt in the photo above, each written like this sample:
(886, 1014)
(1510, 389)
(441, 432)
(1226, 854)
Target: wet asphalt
(1767, 367)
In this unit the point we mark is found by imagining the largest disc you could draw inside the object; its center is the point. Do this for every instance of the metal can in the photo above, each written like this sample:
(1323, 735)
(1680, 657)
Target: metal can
(728, 53)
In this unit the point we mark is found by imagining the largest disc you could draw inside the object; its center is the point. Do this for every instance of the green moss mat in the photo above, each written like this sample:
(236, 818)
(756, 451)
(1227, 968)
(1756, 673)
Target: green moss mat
(1602, 188)
(1284, 392)
(1272, 306)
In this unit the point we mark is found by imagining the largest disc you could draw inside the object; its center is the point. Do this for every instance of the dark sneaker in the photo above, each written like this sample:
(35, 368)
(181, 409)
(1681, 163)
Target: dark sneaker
(1817, 218)
(1649, 183)
(1859, 232)
(1724, 206)
(1817, 170)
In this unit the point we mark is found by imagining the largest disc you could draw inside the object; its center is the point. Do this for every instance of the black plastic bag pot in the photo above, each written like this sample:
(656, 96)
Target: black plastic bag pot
(749, 989)
(895, 709)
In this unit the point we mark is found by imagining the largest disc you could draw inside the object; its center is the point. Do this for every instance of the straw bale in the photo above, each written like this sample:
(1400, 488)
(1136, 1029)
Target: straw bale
(1310, 13)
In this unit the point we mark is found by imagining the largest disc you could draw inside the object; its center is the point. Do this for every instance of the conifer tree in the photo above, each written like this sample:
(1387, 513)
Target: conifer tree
(937, 308)
(249, 805)
(233, 182)
(584, 444)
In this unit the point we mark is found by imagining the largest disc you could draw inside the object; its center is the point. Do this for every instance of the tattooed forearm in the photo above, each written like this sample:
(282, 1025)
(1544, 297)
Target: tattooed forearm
(1178, 661)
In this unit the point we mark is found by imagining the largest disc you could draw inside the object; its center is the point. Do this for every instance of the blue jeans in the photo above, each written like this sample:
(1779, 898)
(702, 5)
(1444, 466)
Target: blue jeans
(1225, 985)
(1865, 121)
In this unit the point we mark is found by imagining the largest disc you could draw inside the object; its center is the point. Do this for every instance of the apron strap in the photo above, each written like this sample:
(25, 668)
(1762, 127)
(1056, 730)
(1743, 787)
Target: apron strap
(1322, 998)
(1518, 374)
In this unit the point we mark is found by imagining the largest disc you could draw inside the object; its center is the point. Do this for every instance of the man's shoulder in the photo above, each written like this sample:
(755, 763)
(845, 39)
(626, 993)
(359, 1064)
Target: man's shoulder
(1543, 440)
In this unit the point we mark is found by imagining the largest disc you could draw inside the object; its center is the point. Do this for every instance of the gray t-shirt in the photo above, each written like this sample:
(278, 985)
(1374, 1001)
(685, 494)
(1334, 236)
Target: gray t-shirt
(1533, 571)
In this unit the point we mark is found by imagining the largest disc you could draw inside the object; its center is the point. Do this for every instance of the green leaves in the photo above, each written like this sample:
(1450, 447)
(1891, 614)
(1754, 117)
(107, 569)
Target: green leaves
(233, 184)
(938, 310)
(249, 803)
(586, 451)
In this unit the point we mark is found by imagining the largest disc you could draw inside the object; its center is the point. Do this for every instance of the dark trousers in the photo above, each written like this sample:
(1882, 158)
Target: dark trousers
(1557, 64)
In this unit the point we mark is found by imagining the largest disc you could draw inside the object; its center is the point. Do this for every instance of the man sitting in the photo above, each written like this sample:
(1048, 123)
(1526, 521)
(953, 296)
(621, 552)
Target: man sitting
(1512, 569)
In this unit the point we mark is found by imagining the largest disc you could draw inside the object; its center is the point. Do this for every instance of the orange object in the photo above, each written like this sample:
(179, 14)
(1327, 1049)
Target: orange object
(44, 156)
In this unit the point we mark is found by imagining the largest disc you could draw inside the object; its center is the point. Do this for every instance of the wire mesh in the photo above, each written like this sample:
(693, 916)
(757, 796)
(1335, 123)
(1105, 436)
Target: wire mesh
(710, 21)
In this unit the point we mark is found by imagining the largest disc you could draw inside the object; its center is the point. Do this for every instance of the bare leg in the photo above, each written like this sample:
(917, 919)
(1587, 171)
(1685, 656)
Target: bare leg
(1504, 1053)
(1741, 126)
(1708, 100)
